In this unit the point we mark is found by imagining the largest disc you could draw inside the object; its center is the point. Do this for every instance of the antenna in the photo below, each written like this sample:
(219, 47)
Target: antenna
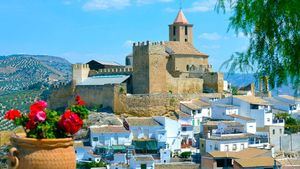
(180, 4)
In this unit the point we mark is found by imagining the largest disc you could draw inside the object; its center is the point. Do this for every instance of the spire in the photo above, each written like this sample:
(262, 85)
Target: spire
(180, 19)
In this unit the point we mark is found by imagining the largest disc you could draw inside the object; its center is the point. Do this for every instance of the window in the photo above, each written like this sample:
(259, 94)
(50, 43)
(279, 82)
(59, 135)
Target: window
(174, 30)
(226, 148)
(280, 131)
(185, 40)
(202, 145)
(268, 119)
(253, 106)
(143, 166)
(242, 146)
(183, 129)
(186, 30)
(234, 147)
(216, 147)
(273, 131)
(95, 139)
(210, 146)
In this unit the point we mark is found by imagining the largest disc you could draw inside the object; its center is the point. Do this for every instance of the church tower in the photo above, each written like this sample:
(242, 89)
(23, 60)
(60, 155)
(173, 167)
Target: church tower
(181, 30)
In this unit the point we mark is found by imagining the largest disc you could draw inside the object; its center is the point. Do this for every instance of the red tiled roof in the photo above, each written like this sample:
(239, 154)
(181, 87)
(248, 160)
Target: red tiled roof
(181, 19)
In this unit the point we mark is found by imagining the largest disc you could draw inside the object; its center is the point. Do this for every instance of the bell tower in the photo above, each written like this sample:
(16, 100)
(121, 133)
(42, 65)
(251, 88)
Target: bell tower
(181, 30)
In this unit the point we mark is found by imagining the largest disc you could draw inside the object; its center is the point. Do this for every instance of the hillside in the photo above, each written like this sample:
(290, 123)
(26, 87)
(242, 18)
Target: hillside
(18, 72)
(25, 78)
(240, 80)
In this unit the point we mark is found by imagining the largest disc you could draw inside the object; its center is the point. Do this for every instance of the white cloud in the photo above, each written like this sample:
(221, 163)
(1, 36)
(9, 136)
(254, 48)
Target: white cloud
(211, 36)
(92, 5)
(202, 6)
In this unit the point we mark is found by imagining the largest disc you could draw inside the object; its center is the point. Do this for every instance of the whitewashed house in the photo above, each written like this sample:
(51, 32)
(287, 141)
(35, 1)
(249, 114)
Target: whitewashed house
(285, 103)
(109, 135)
(197, 109)
(165, 155)
(221, 111)
(142, 162)
(187, 130)
(255, 108)
(172, 128)
(248, 123)
(147, 128)
(86, 154)
(223, 136)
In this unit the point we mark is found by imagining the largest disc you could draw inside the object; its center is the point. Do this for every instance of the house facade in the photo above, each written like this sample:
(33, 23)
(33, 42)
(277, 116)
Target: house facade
(107, 135)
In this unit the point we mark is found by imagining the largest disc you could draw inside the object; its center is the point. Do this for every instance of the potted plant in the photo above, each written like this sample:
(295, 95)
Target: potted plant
(48, 142)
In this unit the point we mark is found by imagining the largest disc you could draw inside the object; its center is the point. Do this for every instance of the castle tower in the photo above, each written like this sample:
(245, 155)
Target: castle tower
(181, 30)
(80, 72)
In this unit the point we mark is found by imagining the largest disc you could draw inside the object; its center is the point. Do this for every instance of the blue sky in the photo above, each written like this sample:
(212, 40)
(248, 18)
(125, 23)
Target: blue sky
(81, 30)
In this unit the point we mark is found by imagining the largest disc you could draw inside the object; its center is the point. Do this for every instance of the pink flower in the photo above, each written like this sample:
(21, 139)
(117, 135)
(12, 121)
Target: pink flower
(40, 116)
(38, 106)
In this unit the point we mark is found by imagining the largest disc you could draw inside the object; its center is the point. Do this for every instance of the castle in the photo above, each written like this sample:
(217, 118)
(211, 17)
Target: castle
(174, 67)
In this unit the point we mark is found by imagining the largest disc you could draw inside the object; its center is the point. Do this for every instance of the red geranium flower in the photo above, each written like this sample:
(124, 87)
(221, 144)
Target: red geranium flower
(30, 124)
(77, 98)
(12, 114)
(70, 122)
(38, 106)
(37, 111)
(79, 101)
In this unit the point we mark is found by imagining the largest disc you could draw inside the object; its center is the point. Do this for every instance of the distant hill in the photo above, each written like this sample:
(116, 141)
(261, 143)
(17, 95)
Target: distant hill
(239, 80)
(18, 72)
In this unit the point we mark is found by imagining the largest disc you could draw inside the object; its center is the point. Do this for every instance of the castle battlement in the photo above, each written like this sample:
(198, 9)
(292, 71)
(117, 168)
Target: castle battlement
(148, 43)
(80, 66)
(126, 70)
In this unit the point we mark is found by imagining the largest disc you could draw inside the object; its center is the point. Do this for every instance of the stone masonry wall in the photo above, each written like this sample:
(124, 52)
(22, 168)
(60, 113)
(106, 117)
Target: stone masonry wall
(153, 104)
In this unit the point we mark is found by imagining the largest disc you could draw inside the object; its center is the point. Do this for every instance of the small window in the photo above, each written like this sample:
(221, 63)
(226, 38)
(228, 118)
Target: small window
(184, 129)
(202, 145)
(226, 148)
(234, 147)
(186, 31)
(185, 40)
(268, 119)
(174, 30)
(273, 131)
(280, 131)
(95, 138)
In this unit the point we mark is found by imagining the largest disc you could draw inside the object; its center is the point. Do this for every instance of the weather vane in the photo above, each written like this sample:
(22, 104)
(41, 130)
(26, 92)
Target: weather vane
(180, 4)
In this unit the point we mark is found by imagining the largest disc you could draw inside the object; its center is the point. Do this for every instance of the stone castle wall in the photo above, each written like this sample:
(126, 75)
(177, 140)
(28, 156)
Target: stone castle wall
(61, 96)
(153, 104)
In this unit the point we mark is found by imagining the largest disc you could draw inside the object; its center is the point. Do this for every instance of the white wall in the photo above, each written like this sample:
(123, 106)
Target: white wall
(172, 128)
(137, 164)
(109, 139)
(221, 145)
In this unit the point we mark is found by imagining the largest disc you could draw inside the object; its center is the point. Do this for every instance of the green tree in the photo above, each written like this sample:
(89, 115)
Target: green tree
(273, 28)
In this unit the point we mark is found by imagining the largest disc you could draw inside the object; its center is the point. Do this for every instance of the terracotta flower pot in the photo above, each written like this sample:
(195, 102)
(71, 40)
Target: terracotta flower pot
(31, 153)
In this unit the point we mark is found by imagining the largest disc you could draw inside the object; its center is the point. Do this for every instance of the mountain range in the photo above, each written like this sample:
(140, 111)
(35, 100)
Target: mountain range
(18, 72)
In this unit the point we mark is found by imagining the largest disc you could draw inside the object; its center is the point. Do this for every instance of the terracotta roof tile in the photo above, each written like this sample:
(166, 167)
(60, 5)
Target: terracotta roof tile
(252, 100)
(244, 154)
(183, 48)
(180, 18)
(109, 129)
(256, 162)
(141, 121)
(241, 117)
